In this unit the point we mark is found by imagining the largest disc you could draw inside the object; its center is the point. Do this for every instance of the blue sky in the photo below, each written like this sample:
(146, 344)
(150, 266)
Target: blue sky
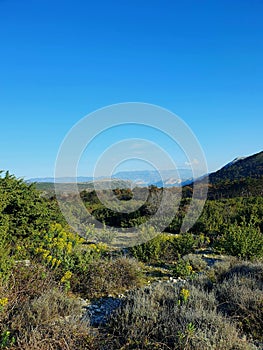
(63, 59)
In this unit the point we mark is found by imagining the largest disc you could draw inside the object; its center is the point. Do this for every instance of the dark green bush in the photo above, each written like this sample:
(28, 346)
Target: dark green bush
(23, 210)
(184, 244)
(6, 261)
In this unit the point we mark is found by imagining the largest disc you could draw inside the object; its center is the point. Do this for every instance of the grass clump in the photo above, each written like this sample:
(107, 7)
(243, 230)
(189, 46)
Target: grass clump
(104, 277)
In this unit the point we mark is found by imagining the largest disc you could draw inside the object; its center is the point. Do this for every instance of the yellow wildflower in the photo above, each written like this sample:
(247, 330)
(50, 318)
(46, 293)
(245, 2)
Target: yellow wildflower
(185, 293)
(189, 268)
(49, 258)
(67, 276)
(3, 302)
(69, 247)
(46, 254)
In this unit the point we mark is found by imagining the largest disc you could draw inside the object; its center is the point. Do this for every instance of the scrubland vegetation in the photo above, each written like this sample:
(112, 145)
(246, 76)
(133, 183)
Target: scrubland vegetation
(195, 290)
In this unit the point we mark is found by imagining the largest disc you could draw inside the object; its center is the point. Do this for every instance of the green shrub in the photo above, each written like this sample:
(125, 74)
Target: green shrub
(6, 262)
(56, 246)
(23, 211)
(164, 247)
(6, 339)
(184, 244)
(182, 269)
(153, 250)
(244, 241)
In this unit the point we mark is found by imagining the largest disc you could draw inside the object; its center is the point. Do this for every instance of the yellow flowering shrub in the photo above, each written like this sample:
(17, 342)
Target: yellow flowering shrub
(97, 249)
(59, 246)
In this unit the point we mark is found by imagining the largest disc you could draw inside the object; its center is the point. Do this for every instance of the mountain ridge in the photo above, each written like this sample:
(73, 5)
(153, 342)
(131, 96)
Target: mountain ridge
(239, 168)
(243, 177)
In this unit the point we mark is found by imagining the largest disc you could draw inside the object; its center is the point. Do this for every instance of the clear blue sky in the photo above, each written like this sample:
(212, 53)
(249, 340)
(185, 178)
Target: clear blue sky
(62, 59)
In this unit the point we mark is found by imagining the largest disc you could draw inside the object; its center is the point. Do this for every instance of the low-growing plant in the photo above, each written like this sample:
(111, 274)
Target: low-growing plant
(195, 260)
(153, 319)
(6, 339)
(45, 309)
(38, 314)
(103, 235)
(51, 321)
(240, 296)
(182, 269)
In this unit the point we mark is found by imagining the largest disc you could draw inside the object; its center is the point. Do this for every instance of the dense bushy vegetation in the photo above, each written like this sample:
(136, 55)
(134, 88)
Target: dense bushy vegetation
(45, 268)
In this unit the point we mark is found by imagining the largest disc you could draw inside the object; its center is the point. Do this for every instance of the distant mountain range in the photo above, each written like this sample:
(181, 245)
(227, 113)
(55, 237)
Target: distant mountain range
(164, 178)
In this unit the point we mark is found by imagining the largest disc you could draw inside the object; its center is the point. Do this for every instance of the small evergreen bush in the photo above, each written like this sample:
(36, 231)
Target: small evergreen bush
(243, 240)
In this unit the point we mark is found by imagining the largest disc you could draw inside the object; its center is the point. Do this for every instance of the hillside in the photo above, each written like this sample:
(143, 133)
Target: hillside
(243, 177)
(240, 168)
(245, 187)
